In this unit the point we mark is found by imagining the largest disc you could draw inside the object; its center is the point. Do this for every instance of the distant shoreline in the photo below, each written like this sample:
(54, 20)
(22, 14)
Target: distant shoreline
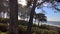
(51, 25)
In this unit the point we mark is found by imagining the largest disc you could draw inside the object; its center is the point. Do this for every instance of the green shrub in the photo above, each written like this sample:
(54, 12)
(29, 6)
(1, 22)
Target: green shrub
(34, 25)
(22, 29)
(3, 27)
(36, 30)
(3, 32)
(44, 31)
(4, 20)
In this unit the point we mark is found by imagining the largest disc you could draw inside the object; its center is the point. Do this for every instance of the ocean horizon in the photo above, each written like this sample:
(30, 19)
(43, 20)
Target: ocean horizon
(52, 23)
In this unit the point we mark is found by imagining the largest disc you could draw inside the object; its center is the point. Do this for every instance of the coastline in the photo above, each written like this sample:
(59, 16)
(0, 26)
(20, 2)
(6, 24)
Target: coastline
(51, 24)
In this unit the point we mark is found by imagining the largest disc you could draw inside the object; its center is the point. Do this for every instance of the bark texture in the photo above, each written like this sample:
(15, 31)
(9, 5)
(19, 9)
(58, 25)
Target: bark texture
(13, 25)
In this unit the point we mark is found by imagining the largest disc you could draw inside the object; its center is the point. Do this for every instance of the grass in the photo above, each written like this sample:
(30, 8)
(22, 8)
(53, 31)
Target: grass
(3, 32)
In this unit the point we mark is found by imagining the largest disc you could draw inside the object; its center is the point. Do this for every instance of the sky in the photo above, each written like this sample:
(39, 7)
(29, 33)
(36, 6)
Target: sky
(51, 15)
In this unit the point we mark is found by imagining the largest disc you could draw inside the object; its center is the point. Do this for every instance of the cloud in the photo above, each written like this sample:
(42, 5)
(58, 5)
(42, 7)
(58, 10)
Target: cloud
(23, 2)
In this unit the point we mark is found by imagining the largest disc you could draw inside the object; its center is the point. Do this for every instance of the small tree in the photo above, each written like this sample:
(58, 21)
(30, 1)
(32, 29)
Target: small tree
(41, 18)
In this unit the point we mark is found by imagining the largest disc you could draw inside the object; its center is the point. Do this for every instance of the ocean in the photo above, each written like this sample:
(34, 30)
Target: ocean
(52, 23)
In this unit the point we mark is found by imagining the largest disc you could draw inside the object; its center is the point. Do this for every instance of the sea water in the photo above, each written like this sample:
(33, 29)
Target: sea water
(51, 23)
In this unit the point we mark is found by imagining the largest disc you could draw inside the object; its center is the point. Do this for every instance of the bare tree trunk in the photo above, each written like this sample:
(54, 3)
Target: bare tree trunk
(0, 15)
(13, 25)
(38, 23)
(31, 18)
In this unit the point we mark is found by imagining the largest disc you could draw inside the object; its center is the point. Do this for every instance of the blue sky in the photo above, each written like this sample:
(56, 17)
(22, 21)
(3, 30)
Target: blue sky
(51, 15)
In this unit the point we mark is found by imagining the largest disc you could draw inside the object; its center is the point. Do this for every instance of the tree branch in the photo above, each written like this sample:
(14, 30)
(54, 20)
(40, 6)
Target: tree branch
(57, 9)
(40, 3)
(29, 2)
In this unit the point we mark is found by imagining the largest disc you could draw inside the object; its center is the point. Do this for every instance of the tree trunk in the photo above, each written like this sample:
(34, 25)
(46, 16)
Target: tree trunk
(0, 15)
(38, 23)
(13, 25)
(3, 15)
(31, 18)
